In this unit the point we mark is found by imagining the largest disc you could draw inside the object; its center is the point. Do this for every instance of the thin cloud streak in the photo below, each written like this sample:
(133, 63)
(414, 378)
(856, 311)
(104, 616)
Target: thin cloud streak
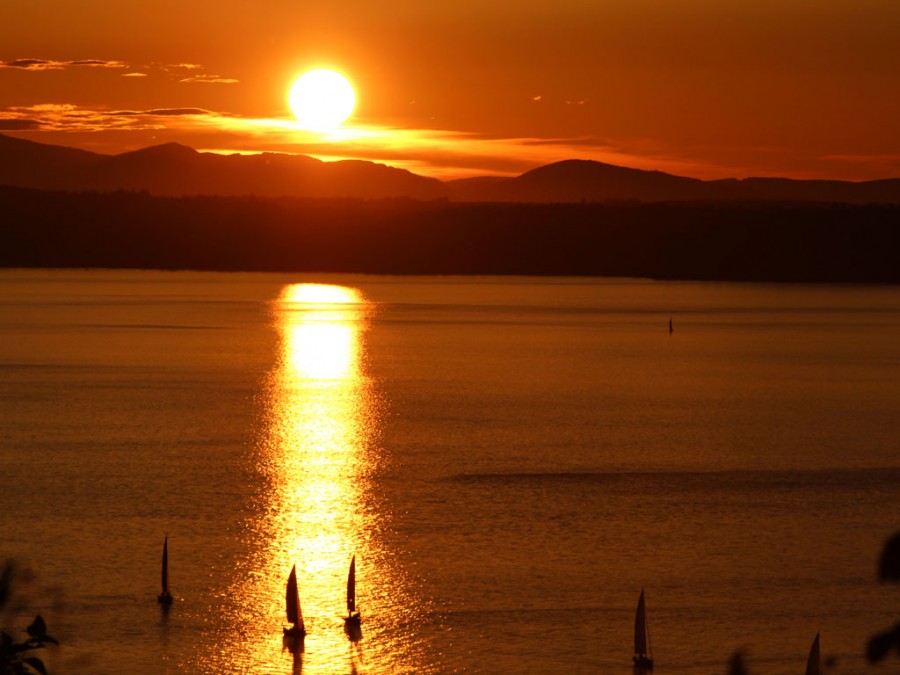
(69, 118)
(210, 79)
(163, 112)
(438, 153)
(182, 72)
(888, 160)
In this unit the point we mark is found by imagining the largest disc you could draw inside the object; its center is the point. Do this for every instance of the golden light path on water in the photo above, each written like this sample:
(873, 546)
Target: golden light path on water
(316, 458)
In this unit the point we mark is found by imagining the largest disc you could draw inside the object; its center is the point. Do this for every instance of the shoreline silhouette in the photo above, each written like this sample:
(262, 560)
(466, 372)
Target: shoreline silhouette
(716, 241)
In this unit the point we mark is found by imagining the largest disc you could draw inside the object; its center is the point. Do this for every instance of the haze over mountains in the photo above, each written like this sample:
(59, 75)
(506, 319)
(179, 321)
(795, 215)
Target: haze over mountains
(176, 170)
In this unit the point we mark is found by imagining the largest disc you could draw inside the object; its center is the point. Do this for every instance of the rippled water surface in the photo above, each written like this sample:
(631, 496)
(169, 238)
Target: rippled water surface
(510, 460)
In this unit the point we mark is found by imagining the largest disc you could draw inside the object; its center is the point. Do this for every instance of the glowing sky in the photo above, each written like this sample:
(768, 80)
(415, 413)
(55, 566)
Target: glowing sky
(707, 88)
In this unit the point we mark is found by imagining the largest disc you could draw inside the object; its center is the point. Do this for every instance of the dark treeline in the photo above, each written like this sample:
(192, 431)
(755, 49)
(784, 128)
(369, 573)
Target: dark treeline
(795, 242)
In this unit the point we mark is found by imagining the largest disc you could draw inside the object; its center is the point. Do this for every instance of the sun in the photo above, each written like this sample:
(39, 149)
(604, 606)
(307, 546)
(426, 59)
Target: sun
(321, 99)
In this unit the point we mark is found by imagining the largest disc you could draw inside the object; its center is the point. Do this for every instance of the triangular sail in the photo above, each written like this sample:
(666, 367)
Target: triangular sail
(292, 600)
(351, 587)
(812, 663)
(165, 566)
(640, 627)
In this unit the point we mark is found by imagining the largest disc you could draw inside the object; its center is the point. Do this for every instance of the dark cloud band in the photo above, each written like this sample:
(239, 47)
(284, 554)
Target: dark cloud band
(46, 64)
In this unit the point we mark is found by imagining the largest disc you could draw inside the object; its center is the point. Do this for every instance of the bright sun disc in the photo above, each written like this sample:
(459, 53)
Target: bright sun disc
(321, 99)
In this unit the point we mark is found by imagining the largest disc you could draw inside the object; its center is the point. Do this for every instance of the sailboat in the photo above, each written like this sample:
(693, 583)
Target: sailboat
(165, 598)
(353, 617)
(292, 603)
(812, 662)
(643, 654)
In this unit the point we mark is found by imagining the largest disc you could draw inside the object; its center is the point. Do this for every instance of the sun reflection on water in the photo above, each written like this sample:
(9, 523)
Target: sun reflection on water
(318, 435)
(316, 458)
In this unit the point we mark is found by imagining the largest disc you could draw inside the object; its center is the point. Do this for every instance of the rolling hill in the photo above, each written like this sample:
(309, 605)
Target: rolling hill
(177, 170)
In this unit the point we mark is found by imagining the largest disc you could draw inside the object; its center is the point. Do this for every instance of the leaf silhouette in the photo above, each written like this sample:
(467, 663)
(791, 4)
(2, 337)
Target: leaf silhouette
(880, 645)
(38, 629)
(36, 664)
(6, 577)
(889, 567)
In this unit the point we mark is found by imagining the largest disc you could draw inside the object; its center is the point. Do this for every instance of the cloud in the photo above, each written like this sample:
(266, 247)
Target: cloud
(182, 66)
(435, 152)
(31, 64)
(444, 154)
(188, 73)
(48, 107)
(65, 117)
(98, 63)
(864, 158)
(210, 79)
(192, 72)
(163, 112)
(47, 64)
(439, 153)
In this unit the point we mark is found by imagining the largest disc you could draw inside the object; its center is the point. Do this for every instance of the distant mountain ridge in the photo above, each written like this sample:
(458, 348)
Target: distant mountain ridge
(177, 170)
(575, 180)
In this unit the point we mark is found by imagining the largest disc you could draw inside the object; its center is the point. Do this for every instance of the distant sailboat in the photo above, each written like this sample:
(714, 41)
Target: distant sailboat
(812, 663)
(353, 617)
(292, 603)
(165, 598)
(643, 654)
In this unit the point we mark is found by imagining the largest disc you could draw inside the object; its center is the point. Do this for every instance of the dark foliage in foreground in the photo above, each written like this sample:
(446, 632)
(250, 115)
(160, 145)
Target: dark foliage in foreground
(789, 242)
(16, 658)
(880, 645)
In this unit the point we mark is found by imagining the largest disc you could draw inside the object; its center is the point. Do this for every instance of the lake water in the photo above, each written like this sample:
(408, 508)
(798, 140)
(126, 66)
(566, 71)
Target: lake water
(510, 459)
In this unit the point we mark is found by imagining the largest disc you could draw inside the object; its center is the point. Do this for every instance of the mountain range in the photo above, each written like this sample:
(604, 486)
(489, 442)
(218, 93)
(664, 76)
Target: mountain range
(177, 170)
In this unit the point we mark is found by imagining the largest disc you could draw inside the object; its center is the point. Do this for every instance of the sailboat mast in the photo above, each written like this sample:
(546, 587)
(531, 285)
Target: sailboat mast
(165, 565)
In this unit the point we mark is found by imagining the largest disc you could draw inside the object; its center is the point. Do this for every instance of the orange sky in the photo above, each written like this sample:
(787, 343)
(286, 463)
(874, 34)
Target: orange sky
(706, 88)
